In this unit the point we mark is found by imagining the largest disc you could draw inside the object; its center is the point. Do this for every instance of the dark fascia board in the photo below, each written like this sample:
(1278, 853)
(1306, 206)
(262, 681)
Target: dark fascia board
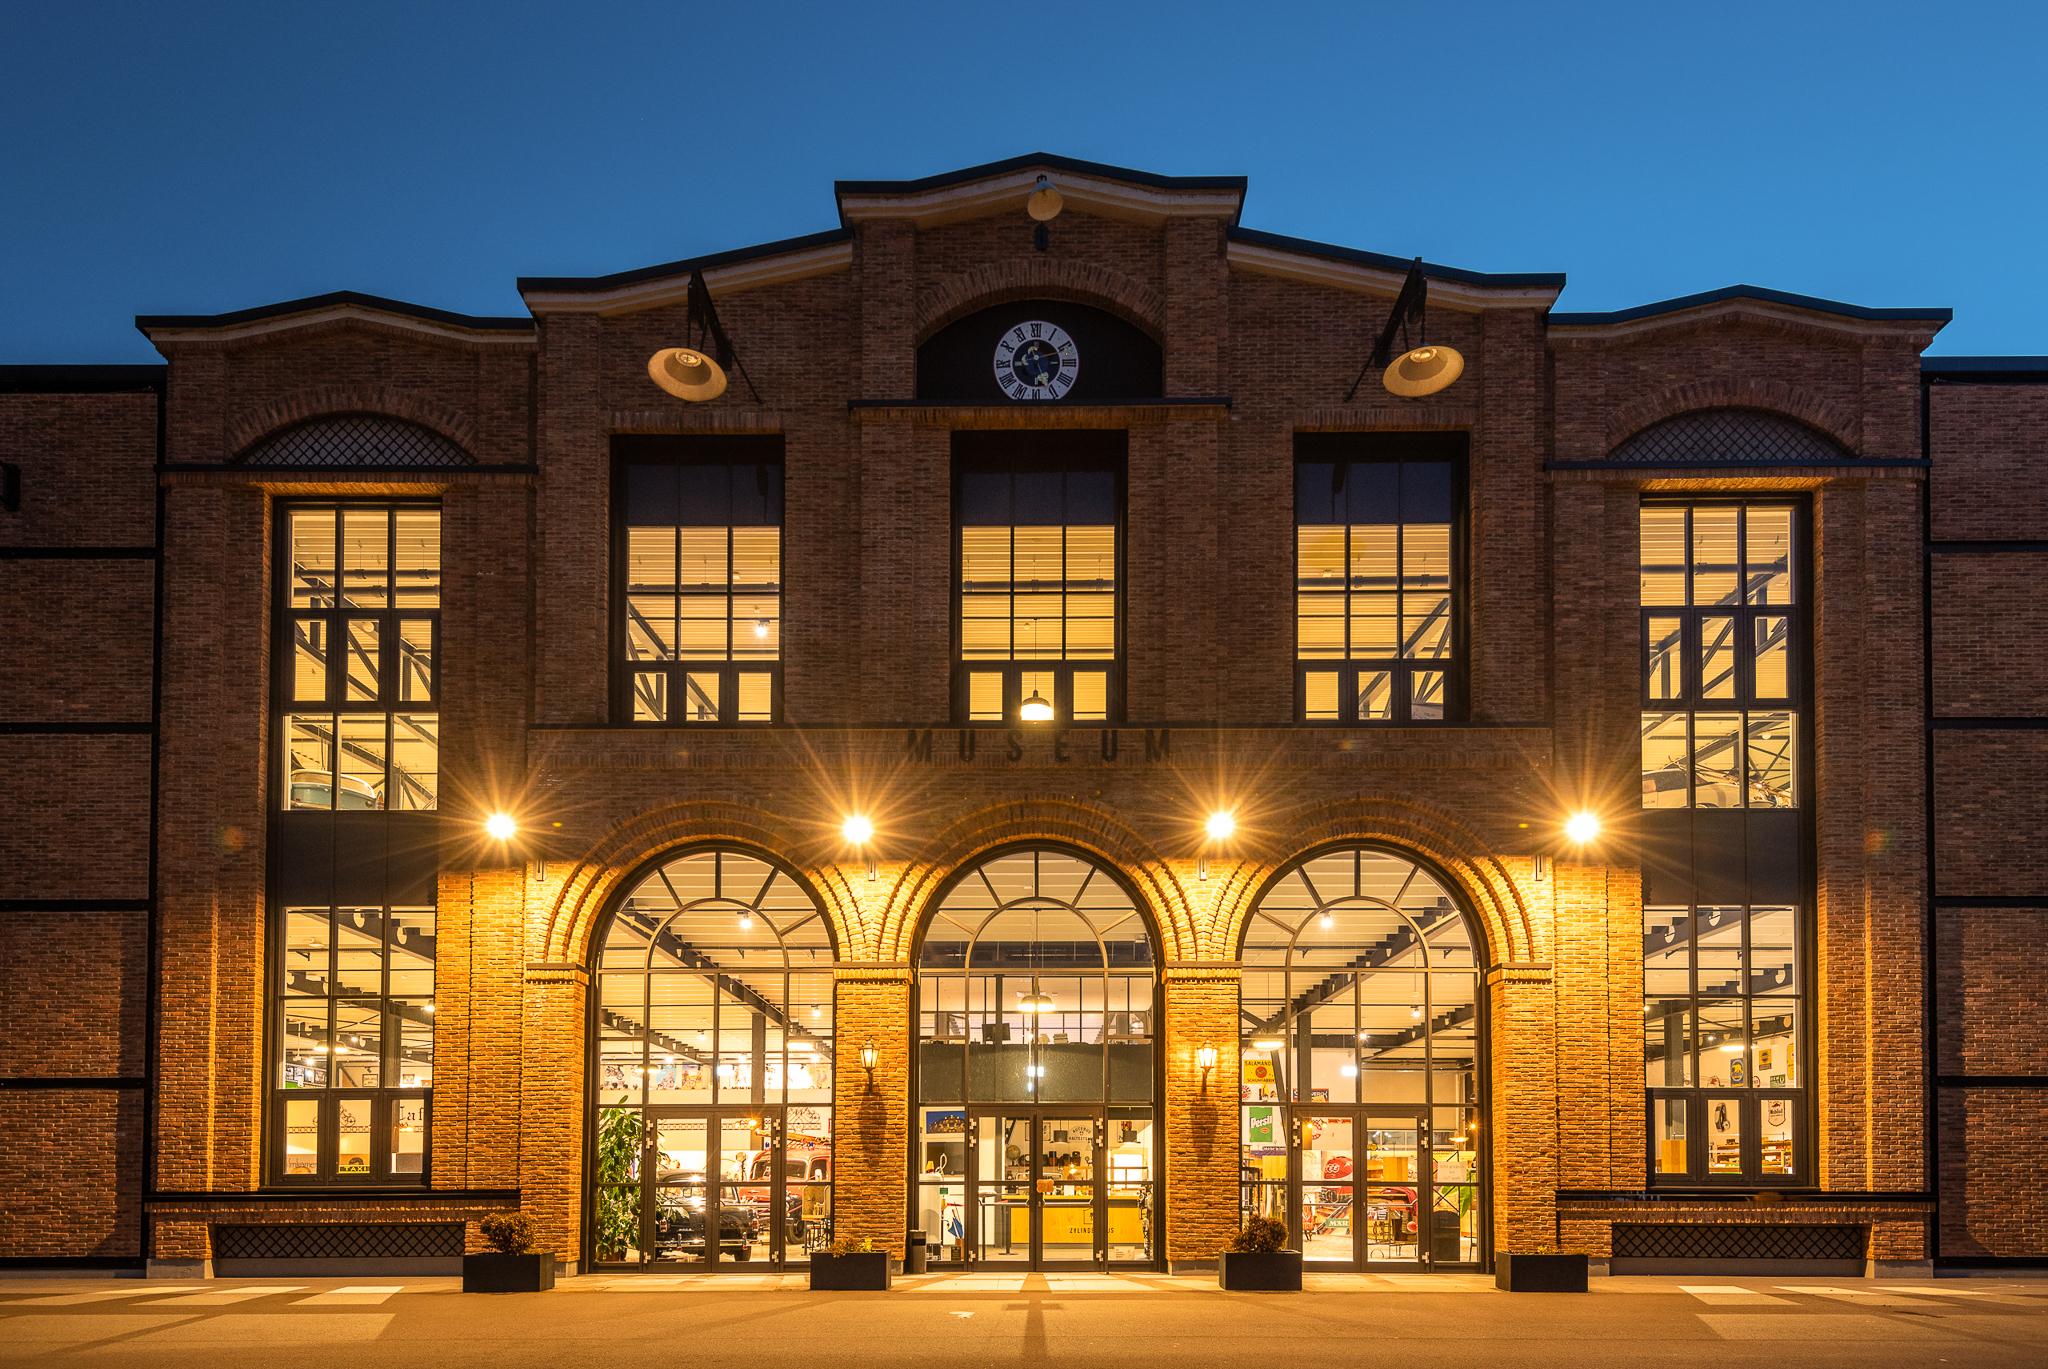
(81, 380)
(1752, 292)
(1522, 280)
(2009, 369)
(597, 284)
(313, 303)
(1052, 162)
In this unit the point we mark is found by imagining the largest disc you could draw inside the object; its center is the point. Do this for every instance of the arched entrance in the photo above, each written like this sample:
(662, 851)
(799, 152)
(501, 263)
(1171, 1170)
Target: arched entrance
(711, 1085)
(1035, 1141)
(1362, 1064)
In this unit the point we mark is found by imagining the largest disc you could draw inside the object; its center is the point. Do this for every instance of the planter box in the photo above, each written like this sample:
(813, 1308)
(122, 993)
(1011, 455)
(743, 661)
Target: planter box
(1540, 1273)
(865, 1272)
(508, 1273)
(1277, 1271)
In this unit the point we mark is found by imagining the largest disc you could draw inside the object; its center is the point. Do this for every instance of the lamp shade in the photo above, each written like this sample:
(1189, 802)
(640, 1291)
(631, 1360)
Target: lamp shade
(687, 373)
(1036, 708)
(1045, 203)
(1424, 371)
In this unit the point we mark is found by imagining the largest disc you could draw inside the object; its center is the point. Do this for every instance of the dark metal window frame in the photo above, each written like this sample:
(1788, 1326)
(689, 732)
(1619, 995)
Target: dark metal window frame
(677, 672)
(1400, 668)
(1062, 668)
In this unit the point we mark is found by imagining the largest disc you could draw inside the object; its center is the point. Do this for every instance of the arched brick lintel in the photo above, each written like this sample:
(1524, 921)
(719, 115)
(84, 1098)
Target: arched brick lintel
(1478, 880)
(599, 876)
(1773, 396)
(322, 400)
(956, 296)
(1086, 828)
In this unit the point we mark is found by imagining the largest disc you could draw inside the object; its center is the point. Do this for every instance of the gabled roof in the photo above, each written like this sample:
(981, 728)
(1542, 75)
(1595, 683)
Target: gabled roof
(952, 194)
(338, 304)
(1754, 294)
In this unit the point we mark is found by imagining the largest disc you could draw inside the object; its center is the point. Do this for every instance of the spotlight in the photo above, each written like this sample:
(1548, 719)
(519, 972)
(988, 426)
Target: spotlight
(500, 826)
(1582, 827)
(1222, 824)
(857, 830)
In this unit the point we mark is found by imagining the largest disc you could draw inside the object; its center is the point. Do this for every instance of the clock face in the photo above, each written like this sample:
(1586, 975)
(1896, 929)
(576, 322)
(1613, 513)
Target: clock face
(1035, 360)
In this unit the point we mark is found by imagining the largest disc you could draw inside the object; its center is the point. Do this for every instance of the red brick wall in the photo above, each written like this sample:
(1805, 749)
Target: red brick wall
(77, 989)
(1994, 1193)
(86, 463)
(1989, 444)
(1990, 619)
(1990, 984)
(83, 649)
(71, 1174)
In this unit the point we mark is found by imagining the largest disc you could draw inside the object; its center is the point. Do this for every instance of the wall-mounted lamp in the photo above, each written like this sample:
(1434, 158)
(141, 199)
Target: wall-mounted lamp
(870, 1056)
(1205, 1058)
(1582, 827)
(859, 831)
(1222, 825)
(1539, 868)
(501, 826)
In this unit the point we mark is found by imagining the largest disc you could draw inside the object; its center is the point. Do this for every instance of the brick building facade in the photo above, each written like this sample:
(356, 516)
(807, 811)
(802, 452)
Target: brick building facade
(291, 614)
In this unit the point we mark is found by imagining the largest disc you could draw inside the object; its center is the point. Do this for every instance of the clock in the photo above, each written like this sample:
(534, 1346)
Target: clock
(1036, 360)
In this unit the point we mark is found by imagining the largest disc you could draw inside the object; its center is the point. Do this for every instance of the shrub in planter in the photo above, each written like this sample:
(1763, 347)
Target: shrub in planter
(512, 1266)
(1258, 1260)
(850, 1266)
(1540, 1271)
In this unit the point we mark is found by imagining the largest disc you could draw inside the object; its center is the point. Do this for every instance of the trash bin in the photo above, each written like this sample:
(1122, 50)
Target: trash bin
(1445, 1247)
(914, 1254)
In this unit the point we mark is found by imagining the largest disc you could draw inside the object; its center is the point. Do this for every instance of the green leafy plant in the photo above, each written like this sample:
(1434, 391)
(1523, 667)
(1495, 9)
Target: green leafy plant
(508, 1233)
(620, 1134)
(853, 1245)
(1261, 1236)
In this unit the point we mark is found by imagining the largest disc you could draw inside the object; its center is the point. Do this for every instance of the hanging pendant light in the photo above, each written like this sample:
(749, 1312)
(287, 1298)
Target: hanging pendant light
(687, 373)
(1036, 708)
(1423, 371)
(1034, 1003)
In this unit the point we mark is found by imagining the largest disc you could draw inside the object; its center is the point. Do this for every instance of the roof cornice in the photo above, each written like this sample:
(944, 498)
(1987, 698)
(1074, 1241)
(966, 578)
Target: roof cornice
(744, 268)
(1374, 273)
(338, 306)
(1112, 191)
(1752, 301)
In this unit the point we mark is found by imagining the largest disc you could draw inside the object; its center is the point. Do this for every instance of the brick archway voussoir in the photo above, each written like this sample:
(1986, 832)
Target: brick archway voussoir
(960, 294)
(1773, 396)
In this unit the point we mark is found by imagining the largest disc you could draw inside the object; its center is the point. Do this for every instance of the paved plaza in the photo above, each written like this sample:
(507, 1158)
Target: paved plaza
(1074, 1321)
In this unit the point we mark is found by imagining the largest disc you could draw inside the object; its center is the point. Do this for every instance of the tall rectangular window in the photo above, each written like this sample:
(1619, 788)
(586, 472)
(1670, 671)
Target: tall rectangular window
(359, 679)
(697, 549)
(354, 1005)
(1037, 518)
(1377, 551)
(1726, 888)
(1722, 631)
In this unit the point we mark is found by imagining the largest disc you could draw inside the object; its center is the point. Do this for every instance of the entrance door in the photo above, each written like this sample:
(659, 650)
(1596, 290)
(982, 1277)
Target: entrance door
(718, 1187)
(1361, 1188)
(1039, 1197)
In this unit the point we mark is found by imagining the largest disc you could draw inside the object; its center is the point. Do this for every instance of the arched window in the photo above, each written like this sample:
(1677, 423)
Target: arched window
(1361, 1071)
(714, 1067)
(373, 440)
(1035, 1065)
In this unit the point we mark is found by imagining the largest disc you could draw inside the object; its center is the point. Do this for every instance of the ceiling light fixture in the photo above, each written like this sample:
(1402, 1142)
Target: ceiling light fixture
(1036, 708)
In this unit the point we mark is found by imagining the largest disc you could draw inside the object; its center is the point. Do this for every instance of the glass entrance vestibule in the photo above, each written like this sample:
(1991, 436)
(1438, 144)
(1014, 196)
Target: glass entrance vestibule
(1360, 1088)
(1034, 1129)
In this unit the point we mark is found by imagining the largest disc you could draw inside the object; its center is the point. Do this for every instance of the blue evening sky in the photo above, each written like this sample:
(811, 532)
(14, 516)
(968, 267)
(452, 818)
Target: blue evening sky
(166, 158)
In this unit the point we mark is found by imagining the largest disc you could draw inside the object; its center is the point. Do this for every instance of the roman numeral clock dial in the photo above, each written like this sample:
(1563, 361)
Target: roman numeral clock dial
(1036, 360)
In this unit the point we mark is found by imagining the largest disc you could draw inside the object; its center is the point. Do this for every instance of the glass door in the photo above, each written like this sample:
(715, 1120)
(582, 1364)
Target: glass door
(1395, 1189)
(1005, 1171)
(1039, 1193)
(717, 1189)
(1066, 1190)
(1326, 1191)
(679, 1165)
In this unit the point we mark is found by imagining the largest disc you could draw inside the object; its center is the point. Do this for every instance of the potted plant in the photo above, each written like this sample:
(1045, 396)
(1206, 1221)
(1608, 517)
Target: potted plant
(512, 1266)
(1258, 1262)
(850, 1266)
(1542, 1270)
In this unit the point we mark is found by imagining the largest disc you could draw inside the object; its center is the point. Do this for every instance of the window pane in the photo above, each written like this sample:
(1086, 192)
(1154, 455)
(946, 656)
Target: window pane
(309, 660)
(408, 1136)
(1668, 1121)
(651, 627)
(1319, 696)
(1665, 767)
(352, 1154)
(1770, 761)
(1774, 1043)
(1667, 952)
(650, 696)
(1426, 696)
(415, 661)
(1373, 629)
(1041, 683)
(985, 696)
(304, 1043)
(1091, 696)
(313, 564)
(415, 761)
(366, 557)
(1425, 625)
(358, 1052)
(302, 1138)
(360, 745)
(1375, 695)
(1724, 1135)
(1771, 645)
(1717, 658)
(756, 696)
(1667, 1043)
(704, 556)
(700, 697)
(1768, 536)
(650, 559)
(702, 630)
(1776, 1136)
(757, 627)
(1717, 760)
(418, 533)
(363, 656)
(1715, 560)
(1319, 625)
(1663, 555)
(1666, 666)
(1773, 955)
